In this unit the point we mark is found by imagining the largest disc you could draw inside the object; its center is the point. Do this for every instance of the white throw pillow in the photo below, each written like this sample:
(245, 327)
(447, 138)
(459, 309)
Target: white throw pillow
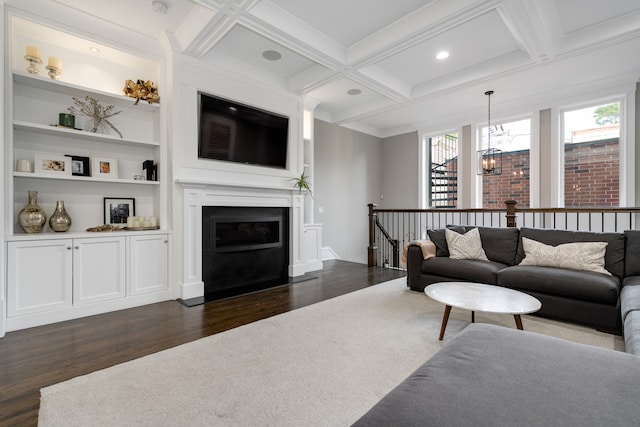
(582, 256)
(465, 246)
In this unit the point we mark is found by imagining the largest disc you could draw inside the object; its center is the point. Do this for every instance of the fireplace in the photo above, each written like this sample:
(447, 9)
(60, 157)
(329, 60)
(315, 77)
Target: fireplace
(244, 249)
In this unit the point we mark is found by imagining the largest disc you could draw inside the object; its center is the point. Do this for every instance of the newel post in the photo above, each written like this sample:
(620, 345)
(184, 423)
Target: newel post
(372, 250)
(511, 213)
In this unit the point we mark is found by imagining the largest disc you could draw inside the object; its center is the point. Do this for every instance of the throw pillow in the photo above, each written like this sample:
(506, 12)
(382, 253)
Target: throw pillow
(465, 246)
(582, 256)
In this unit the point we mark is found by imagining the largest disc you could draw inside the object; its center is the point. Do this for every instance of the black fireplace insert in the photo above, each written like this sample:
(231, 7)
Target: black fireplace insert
(244, 249)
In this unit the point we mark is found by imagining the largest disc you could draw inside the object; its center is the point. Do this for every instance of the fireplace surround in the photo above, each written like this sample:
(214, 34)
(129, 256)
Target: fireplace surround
(198, 194)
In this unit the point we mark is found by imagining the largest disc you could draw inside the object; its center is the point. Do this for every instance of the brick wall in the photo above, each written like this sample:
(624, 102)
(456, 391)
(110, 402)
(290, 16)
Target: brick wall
(513, 184)
(591, 177)
(592, 174)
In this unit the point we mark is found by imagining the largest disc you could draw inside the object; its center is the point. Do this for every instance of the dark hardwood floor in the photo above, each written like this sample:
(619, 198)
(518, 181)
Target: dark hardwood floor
(38, 357)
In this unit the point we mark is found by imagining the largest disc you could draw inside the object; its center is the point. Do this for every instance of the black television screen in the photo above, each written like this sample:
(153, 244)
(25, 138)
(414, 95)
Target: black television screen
(238, 133)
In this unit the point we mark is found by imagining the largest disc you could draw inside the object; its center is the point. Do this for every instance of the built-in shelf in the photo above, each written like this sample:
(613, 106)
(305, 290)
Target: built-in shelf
(78, 134)
(83, 178)
(65, 88)
(51, 235)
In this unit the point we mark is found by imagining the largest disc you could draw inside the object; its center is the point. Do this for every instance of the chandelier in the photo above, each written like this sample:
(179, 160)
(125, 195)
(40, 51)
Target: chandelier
(489, 160)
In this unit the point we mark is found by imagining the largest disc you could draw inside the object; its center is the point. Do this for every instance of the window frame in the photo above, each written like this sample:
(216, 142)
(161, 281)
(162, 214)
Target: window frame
(625, 167)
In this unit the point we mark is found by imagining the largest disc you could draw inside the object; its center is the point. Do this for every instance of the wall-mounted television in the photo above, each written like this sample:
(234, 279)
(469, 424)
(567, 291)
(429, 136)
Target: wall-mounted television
(235, 132)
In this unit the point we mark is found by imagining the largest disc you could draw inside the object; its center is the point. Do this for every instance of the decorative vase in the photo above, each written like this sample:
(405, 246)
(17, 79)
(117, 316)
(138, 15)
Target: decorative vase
(60, 219)
(32, 218)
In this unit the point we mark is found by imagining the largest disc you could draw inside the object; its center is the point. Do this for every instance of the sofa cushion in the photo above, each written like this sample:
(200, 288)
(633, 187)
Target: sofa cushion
(440, 240)
(631, 281)
(581, 256)
(614, 255)
(465, 246)
(632, 333)
(463, 269)
(493, 376)
(580, 285)
(500, 244)
(629, 300)
(632, 253)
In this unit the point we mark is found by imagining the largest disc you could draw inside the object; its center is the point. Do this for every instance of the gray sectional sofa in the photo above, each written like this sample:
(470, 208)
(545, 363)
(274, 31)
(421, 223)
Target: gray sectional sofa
(606, 302)
(494, 376)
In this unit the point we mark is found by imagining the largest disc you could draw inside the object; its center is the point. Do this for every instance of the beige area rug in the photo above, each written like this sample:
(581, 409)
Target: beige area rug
(321, 365)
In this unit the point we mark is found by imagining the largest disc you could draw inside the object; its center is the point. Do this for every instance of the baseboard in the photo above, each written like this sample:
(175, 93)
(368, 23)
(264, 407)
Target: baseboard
(326, 254)
(192, 290)
(296, 270)
(2, 318)
(312, 266)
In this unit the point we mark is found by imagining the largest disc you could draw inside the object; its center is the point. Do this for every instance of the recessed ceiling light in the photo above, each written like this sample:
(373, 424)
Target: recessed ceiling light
(94, 49)
(159, 7)
(354, 91)
(271, 55)
(442, 55)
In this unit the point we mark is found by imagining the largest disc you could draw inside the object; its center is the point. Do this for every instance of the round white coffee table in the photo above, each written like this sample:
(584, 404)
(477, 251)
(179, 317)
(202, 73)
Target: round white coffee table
(481, 297)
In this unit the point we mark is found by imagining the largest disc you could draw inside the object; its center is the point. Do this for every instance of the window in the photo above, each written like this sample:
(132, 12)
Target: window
(592, 156)
(443, 171)
(514, 139)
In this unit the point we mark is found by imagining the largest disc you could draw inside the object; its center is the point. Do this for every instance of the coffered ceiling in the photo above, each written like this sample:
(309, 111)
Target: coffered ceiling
(371, 64)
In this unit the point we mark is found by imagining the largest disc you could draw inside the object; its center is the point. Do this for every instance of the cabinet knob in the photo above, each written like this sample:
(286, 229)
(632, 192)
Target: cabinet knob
(77, 247)
(166, 241)
(68, 248)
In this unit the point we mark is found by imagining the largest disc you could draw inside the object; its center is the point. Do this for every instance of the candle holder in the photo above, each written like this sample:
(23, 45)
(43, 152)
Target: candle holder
(54, 72)
(33, 61)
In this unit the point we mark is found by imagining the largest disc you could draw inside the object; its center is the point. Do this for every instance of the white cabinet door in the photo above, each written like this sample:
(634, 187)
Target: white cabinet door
(312, 247)
(98, 269)
(39, 276)
(148, 263)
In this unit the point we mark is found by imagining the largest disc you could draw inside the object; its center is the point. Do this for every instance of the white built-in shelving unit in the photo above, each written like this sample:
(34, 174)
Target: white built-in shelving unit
(312, 240)
(51, 276)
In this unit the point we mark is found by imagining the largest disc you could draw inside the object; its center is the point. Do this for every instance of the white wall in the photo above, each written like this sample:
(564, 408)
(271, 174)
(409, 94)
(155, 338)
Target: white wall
(347, 178)
(399, 171)
(188, 76)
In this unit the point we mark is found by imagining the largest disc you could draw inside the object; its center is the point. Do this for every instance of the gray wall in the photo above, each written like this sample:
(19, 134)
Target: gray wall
(637, 144)
(347, 177)
(400, 163)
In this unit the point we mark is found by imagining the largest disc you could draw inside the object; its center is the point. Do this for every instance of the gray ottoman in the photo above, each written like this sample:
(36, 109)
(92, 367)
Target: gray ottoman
(494, 376)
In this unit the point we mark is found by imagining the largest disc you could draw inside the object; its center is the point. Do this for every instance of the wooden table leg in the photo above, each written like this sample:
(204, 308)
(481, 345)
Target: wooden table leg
(445, 319)
(518, 321)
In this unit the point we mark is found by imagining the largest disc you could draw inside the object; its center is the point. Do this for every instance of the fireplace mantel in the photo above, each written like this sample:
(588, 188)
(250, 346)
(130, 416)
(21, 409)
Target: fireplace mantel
(198, 193)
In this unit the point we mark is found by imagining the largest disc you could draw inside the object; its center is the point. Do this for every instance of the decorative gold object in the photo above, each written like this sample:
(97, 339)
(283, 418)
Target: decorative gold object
(33, 64)
(145, 90)
(60, 219)
(32, 56)
(100, 114)
(54, 66)
(104, 228)
(54, 72)
(32, 218)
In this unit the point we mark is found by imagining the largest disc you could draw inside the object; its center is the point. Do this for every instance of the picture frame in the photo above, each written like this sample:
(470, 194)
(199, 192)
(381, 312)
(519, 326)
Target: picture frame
(104, 167)
(52, 164)
(118, 209)
(80, 165)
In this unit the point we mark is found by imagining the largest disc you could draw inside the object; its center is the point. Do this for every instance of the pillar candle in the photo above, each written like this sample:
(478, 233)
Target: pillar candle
(33, 51)
(154, 221)
(54, 62)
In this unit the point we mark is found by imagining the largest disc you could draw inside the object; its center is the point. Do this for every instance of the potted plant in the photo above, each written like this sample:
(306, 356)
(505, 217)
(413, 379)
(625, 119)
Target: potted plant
(302, 183)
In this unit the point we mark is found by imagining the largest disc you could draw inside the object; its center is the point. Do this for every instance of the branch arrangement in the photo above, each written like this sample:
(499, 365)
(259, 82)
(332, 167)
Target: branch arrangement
(100, 114)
